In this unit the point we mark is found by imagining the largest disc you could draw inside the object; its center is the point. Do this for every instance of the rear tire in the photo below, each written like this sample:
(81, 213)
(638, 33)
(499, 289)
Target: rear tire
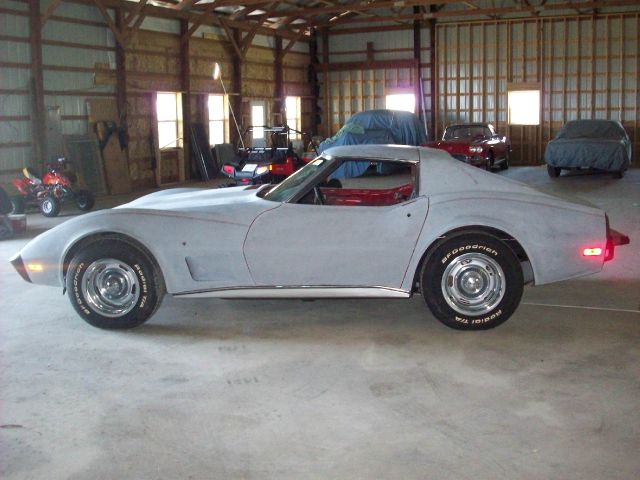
(472, 281)
(85, 200)
(114, 285)
(50, 206)
(554, 172)
(619, 174)
(505, 163)
(18, 203)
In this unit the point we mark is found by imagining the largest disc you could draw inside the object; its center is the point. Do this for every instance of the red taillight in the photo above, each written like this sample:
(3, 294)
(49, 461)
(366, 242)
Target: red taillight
(592, 252)
(228, 169)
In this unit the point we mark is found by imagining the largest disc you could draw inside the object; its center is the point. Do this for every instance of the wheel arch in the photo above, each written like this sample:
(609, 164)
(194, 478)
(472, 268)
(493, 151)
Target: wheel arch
(97, 236)
(509, 239)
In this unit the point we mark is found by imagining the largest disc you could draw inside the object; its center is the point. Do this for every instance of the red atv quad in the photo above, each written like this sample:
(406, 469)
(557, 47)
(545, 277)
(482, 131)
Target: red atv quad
(49, 192)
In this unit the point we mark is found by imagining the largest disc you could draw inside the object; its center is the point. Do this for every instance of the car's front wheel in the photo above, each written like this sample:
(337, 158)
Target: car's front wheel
(113, 284)
(472, 281)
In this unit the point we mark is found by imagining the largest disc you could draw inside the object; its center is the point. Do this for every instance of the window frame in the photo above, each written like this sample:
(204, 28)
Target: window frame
(176, 120)
(297, 116)
(224, 119)
(513, 89)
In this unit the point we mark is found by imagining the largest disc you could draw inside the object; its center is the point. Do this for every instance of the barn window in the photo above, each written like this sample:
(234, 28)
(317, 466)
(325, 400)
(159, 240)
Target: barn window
(401, 101)
(524, 106)
(294, 116)
(218, 119)
(257, 119)
(169, 110)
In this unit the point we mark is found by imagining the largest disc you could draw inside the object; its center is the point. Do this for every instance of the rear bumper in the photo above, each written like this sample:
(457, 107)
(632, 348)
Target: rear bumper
(614, 239)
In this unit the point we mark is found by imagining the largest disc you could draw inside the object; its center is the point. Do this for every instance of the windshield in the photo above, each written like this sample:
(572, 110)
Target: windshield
(285, 190)
(466, 132)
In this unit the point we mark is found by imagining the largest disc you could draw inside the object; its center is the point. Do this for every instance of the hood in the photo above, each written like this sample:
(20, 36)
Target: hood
(233, 204)
(192, 198)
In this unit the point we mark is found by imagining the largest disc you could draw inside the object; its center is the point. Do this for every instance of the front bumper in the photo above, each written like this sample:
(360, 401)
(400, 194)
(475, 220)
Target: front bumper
(18, 264)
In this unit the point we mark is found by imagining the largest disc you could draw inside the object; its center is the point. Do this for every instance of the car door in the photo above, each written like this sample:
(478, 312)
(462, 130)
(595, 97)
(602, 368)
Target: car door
(325, 245)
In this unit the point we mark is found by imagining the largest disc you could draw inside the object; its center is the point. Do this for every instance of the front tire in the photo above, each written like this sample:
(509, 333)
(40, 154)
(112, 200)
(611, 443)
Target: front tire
(554, 172)
(50, 206)
(505, 163)
(18, 204)
(472, 281)
(114, 285)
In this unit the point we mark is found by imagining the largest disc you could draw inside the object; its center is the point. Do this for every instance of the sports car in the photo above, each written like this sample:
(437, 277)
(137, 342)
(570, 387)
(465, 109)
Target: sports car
(477, 144)
(464, 239)
(601, 145)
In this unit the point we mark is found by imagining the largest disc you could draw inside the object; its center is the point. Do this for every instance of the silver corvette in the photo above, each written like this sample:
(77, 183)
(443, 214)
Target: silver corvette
(466, 239)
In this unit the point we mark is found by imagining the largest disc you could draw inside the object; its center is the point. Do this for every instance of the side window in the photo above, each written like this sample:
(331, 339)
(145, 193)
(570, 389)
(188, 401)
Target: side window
(365, 183)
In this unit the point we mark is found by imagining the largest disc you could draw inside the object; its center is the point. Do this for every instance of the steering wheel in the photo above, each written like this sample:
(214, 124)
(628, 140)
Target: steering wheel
(317, 196)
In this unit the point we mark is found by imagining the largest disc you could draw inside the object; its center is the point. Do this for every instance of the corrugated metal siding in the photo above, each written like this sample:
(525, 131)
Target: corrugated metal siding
(586, 67)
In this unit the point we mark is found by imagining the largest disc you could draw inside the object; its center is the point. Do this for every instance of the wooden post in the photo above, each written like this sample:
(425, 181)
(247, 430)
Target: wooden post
(313, 73)
(433, 75)
(327, 89)
(184, 170)
(278, 100)
(38, 119)
(417, 44)
(235, 98)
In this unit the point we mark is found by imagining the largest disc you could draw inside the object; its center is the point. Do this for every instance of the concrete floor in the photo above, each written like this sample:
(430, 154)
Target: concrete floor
(349, 389)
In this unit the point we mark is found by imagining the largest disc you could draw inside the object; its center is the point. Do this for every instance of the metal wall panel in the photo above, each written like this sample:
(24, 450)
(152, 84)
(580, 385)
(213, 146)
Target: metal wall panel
(585, 67)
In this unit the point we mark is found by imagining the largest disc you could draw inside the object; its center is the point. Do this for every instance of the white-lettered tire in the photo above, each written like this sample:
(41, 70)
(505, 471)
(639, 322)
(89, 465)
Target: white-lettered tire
(113, 284)
(472, 281)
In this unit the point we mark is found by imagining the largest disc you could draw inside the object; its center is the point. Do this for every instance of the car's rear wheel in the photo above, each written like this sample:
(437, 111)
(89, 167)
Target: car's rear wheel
(472, 281)
(554, 172)
(619, 173)
(113, 284)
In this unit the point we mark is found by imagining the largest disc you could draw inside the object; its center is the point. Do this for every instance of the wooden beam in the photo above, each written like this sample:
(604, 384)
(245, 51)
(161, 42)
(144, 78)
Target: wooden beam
(375, 65)
(232, 36)
(136, 11)
(198, 22)
(47, 15)
(235, 100)
(278, 79)
(39, 124)
(185, 84)
(248, 38)
(291, 43)
(121, 39)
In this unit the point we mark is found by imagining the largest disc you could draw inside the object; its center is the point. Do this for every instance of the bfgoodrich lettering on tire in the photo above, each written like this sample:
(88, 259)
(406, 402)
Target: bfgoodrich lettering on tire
(472, 281)
(113, 284)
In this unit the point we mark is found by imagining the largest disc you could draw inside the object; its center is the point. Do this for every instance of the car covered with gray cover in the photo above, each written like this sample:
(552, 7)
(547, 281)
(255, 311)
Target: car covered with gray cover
(589, 144)
(466, 240)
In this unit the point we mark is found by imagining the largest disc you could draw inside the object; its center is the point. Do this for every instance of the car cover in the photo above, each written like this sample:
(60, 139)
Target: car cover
(379, 127)
(598, 144)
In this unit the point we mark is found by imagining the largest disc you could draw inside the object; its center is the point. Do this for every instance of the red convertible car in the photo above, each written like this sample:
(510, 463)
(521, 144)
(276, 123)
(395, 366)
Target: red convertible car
(477, 144)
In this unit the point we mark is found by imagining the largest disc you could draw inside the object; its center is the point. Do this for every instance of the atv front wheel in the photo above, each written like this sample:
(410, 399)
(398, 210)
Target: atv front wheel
(50, 206)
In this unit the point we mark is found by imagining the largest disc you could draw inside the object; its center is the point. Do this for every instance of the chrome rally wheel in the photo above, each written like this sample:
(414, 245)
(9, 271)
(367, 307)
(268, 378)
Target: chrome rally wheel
(473, 284)
(111, 287)
(114, 283)
(471, 281)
